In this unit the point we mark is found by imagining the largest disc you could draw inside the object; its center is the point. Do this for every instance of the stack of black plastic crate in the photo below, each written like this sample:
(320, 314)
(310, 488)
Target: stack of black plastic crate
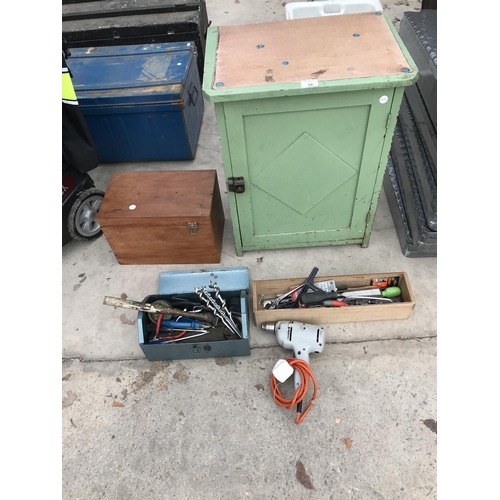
(410, 182)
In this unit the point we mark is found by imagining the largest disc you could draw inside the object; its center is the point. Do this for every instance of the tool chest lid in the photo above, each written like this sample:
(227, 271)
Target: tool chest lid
(131, 74)
(227, 279)
(72, 9)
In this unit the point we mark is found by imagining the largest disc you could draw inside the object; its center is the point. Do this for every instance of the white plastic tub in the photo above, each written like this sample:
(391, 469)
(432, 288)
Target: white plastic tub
(301, 10)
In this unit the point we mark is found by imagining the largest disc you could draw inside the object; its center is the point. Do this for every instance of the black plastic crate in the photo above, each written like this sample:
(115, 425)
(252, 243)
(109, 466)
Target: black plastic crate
(410, 182)
(412, 244)
(418, 30)
(411, 187)
(417, 154)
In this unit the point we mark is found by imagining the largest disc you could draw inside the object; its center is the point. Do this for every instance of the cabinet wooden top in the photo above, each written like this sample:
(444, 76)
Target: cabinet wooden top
(299, 50)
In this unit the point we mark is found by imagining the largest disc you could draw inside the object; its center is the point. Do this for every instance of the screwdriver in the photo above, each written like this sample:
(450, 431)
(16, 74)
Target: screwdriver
(317, 297)
(184, 325)
(333, 303)
(389, 293)
(152, 329)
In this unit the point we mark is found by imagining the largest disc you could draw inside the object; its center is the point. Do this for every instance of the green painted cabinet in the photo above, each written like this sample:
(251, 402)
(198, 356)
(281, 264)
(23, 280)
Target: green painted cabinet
(305, 151)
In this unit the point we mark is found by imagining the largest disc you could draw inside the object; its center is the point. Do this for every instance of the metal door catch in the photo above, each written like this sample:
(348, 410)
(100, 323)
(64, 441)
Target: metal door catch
(236, 184)
(193, 227)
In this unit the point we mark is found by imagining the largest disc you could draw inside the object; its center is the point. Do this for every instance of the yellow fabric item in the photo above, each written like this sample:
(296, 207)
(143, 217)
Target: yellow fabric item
(68, 92)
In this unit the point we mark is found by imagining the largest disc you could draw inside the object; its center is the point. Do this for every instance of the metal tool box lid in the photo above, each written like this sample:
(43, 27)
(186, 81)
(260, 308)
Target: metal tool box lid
(72, 10)
(227, 279)
(131, 74)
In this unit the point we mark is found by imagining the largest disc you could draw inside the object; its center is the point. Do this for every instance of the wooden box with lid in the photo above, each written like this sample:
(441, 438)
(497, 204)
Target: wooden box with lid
(163, 217)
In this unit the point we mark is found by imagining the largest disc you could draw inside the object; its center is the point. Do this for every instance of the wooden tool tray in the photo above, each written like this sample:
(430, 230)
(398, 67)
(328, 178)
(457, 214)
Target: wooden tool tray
(325, 315)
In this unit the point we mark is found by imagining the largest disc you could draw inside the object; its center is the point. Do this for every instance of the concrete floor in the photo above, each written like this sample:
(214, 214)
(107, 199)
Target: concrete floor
(210, 428)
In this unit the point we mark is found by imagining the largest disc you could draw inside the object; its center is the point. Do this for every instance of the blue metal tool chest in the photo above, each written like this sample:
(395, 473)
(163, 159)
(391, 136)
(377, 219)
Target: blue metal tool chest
(233, 282)
(141, 102)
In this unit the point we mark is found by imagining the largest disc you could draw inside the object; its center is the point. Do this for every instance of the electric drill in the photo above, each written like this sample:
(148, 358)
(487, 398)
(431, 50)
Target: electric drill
(302, 338)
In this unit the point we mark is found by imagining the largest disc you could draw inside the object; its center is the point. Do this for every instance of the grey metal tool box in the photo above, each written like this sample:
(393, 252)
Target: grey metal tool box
(233, 283)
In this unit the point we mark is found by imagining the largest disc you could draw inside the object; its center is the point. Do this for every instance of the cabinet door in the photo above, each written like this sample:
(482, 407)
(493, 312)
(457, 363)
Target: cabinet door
(310, 164)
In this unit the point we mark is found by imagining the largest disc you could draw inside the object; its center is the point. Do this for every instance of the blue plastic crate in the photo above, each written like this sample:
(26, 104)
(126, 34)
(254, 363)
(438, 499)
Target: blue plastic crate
(141, 102)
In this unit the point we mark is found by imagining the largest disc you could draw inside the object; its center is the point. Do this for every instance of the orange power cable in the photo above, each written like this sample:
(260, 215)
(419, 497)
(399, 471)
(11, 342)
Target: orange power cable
(305, 374)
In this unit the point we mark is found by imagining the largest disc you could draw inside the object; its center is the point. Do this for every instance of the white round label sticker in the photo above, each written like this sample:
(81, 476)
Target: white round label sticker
(132, 207)
(383, 99)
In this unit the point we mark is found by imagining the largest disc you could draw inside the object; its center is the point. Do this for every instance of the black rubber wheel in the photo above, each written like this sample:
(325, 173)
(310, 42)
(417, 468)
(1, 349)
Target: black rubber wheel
(82, 222)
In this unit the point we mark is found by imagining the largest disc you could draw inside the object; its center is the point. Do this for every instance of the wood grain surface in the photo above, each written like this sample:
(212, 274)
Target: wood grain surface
(157, 230)
(323, 48)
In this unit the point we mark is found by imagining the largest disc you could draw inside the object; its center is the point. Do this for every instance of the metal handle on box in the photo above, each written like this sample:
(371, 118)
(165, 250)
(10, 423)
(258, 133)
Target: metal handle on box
(191, 91)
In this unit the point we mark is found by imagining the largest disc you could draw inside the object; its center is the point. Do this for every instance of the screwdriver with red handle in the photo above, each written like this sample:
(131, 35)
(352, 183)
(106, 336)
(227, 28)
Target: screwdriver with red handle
(333, 303)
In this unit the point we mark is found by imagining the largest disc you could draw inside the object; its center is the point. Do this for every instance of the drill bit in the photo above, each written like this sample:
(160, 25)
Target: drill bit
(223, 304)
(212, 304)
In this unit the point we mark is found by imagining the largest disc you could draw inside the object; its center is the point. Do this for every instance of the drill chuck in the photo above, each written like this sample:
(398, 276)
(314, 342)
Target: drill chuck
(268, 327)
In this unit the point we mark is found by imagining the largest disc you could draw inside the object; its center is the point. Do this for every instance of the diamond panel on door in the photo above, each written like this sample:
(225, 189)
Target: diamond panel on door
(302, 196)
